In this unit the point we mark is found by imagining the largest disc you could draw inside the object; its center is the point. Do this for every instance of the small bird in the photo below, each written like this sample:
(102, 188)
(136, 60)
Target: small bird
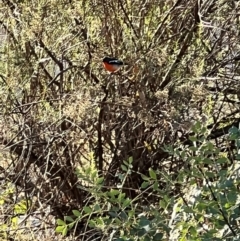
(112, 64)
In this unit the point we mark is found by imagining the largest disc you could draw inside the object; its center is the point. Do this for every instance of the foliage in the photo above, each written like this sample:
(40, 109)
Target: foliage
(17, 207)
(206, 207)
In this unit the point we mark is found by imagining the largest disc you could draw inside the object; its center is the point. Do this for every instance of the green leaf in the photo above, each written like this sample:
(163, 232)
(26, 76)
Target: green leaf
(93, 174)
(222, 160)
(123, 215)
(152, 174)
(232, 197)
(145, 185)
(207, 161)
(87, 210)
(203, 130)
(69, 219)
(126, 203)
(61, 222)
(141, 232)
(193, 231)
(126, 163)
(20, 207)
(192, 138)
(118, 221)
(234, 131)
(144, 222)
(168, 148)
(163, 204)
(76, 213)
(100, 180)
(71, 225)
(193, 148)
(113, 214)
(96, 207)
(144, 177)
(210, 174)
(59, 229)
(99, 221)
(124, 168)
(88, 171)
(155, 186)
(197, 127)
(114, 192)
(223, 173)
(14, 221)
(237, 157)
(157, 237)
(92, 223)
(130, 159)
(183, 154)
(64, 232)
(148, 238)
(237, 143)
(120, 176)
(121, 196)
(188, 209)
(227, 205)
(166, 198)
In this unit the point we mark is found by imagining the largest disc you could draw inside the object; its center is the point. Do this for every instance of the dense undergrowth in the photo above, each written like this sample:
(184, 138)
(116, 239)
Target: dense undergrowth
(147, 153)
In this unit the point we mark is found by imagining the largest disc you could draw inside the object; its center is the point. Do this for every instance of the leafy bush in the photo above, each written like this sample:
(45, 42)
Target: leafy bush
(206, 207)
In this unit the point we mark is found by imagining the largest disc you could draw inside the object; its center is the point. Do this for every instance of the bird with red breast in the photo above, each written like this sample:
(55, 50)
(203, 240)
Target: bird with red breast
(112, 64)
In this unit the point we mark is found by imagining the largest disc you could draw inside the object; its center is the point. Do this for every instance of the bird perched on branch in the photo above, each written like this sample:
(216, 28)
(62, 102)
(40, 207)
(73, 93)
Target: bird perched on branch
(112, 64)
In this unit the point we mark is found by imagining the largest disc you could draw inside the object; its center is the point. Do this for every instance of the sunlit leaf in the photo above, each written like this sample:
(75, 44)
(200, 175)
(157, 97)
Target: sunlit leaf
(76, 213)
(152, 174)
(61, 222)
(87, 210)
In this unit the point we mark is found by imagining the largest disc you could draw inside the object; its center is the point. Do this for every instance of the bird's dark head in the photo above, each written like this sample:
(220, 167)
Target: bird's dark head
(107, 59)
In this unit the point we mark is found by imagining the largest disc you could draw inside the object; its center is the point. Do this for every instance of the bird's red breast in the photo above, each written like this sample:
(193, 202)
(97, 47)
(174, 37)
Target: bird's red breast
(110, 67)
(112, 64)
